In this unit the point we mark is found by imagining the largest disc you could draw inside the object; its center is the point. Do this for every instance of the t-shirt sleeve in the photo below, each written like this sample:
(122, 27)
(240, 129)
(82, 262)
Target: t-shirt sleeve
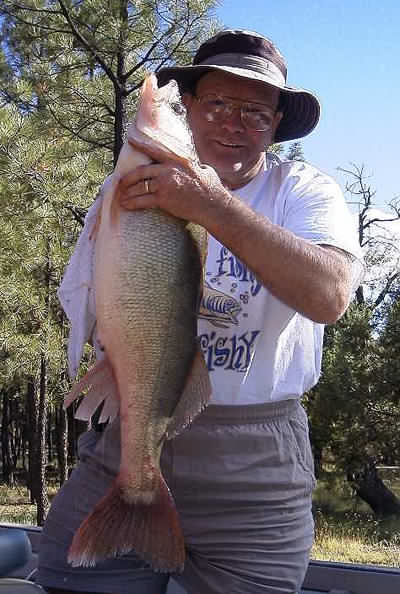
(315, 209)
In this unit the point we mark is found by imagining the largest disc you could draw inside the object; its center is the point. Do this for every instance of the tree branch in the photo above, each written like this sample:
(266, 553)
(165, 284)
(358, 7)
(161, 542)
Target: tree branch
(88, 46)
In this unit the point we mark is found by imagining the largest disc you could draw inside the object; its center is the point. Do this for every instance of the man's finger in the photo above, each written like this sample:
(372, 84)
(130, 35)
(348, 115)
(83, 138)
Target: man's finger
(139, 174)
(138, 202)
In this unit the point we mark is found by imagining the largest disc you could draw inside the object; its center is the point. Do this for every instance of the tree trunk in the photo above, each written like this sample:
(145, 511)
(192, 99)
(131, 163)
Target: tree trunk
(72, 437)
(317, 454)
(371, 489)
(62, 444)
(49, 439)
(120, 84)
(360, 295)
(32, 429)
(75, 428)
(7, 465)
(42, 501)
(14, 430)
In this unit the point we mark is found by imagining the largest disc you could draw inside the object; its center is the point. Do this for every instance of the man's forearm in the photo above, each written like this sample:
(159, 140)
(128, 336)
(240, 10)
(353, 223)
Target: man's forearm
(313, 279)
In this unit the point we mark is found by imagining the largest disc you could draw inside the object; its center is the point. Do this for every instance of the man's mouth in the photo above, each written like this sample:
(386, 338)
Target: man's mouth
(227, 144)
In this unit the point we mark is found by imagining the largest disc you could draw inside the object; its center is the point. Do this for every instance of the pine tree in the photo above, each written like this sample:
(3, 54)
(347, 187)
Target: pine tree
(295, 152)
(33, 252)
(85, 61)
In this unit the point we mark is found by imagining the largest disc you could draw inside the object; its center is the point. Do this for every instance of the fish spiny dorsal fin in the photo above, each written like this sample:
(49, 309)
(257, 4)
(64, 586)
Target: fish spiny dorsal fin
(147, 115)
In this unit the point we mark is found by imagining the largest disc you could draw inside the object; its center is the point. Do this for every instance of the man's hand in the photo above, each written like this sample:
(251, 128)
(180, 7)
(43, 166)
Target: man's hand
(184, 189)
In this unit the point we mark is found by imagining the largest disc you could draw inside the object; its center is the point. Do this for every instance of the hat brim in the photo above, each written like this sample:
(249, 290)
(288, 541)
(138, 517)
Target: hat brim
(301, 110)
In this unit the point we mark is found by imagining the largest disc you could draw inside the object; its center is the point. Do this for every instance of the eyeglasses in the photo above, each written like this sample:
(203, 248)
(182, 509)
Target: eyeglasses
(254, 116)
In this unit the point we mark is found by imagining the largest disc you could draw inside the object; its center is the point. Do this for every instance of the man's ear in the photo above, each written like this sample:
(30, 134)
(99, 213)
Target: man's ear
(187, 99)
(277, 118)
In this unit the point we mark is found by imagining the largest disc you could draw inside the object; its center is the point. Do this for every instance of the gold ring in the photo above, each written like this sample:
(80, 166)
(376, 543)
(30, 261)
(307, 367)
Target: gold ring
(146, 186)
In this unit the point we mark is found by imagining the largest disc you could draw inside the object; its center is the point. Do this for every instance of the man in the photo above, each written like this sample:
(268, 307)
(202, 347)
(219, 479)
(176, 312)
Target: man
(282, 262)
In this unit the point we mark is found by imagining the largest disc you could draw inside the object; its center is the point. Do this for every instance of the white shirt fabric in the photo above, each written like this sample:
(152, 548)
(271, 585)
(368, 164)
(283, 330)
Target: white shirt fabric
(257, 349)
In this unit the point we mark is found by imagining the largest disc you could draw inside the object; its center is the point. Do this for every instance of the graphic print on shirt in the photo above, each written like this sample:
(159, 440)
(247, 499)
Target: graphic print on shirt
(229, 350)
(219, 309)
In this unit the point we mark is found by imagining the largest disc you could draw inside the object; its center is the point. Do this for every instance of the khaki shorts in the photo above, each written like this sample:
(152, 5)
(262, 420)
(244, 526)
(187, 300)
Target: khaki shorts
(242, 478)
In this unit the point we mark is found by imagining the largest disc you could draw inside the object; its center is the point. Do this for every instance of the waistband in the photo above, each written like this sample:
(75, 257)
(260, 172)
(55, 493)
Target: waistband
(248, 413)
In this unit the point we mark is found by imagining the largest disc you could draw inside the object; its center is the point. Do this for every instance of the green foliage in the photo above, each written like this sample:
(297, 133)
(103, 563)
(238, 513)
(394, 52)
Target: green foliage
(389, 369)
(349, 409)
(295, 152)
(82, 61)
(33, 250)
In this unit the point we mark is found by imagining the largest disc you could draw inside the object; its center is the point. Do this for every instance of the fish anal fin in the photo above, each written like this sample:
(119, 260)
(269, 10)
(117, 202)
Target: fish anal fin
(195, 397)
(101, 387)
(116, 527)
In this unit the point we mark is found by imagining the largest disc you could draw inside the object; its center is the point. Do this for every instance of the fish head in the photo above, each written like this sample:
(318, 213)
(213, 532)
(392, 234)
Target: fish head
(161, 120)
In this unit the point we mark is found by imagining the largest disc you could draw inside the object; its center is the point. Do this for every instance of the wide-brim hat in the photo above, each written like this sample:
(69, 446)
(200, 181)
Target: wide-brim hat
(251, 56)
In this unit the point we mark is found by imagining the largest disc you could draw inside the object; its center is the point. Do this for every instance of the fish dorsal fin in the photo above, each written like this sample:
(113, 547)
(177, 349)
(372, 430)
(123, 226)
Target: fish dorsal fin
(195, 397)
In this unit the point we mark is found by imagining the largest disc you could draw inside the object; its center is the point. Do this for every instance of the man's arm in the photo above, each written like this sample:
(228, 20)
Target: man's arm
(314, 280)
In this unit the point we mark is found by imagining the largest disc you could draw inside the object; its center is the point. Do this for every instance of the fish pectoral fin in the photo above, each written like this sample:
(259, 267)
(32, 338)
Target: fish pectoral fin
(195, 397)
(102, 387)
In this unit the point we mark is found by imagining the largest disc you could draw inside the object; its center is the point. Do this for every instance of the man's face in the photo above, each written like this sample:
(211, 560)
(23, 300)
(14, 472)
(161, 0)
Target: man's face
(234, 150)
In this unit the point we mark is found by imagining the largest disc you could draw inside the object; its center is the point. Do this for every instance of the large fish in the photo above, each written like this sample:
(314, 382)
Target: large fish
(148, 278)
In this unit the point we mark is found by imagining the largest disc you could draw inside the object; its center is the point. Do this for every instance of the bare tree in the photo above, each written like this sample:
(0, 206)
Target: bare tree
(379, 243)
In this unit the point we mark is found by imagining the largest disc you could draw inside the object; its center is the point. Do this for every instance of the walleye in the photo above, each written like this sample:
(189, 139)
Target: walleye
(148, 280)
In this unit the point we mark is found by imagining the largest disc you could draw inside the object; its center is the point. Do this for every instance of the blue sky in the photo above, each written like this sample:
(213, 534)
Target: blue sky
(348, 53)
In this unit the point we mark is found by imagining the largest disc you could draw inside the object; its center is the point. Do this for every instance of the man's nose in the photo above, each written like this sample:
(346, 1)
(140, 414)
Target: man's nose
(233, 120)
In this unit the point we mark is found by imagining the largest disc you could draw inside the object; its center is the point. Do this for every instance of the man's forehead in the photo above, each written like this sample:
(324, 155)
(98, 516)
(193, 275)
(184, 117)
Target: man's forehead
(237, 87)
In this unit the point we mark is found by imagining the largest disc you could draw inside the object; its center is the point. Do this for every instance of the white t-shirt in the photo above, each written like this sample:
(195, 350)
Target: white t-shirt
(257, 349)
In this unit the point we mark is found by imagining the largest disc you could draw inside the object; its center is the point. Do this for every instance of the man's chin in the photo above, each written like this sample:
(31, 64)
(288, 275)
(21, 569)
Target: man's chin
(226, 166)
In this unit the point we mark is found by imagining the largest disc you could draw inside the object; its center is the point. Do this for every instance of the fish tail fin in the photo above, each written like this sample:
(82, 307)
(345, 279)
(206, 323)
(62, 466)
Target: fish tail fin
(151, 529)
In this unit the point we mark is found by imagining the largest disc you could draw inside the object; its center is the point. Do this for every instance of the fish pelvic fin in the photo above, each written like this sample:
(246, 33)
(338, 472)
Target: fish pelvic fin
(102, 388)
(195, 397)
(151, 529)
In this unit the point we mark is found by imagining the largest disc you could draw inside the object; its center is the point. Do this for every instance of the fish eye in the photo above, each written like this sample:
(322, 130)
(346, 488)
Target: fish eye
(178, 108)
